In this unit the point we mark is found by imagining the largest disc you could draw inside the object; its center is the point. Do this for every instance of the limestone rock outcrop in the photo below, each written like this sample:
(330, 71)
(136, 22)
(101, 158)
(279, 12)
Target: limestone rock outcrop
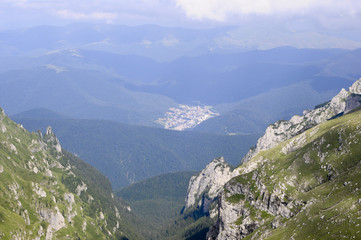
(291, 174)
(282, 130)
(208, 183)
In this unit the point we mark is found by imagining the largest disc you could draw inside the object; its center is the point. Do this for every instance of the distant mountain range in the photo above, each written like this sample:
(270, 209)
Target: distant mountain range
(160, 43)
(105, 72)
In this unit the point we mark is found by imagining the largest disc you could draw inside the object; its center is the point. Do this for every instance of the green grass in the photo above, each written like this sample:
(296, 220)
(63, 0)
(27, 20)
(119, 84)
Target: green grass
(327, 187)
(236, 198)
(18, 197)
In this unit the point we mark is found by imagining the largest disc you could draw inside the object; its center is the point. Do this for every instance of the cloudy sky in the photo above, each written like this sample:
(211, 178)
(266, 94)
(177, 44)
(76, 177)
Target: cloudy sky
(325, 14)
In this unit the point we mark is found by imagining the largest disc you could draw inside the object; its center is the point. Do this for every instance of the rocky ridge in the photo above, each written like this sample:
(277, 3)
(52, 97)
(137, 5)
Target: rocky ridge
(314, 185)
(40, 194)
(282, 130)
(295, 172)
(273, 190)
(210, 183)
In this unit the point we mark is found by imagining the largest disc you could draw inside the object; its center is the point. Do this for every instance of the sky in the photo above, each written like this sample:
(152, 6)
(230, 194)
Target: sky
(329, 15)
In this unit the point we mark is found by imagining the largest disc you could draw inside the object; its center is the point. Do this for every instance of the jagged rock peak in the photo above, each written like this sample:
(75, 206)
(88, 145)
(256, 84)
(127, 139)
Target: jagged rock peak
(356, 87)
(51, 138)
(209, 181)
(49, 131)
(280, 131)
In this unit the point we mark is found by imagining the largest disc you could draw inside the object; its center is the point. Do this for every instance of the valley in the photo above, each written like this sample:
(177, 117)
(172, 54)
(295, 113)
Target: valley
(127, 153)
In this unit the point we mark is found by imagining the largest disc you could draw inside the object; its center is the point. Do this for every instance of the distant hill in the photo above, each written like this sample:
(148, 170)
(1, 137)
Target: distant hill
(126, 153)
(80, 94)
(40, 113)
(255, 113)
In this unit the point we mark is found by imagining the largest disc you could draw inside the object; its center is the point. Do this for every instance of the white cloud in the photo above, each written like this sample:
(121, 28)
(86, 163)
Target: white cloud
(221, 10)
(204, 13)
(117, 11)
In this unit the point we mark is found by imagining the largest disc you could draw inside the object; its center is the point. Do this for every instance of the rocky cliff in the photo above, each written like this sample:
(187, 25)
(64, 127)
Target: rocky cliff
(204, 188)
(280, 131)
(47, 193)
(302, 181)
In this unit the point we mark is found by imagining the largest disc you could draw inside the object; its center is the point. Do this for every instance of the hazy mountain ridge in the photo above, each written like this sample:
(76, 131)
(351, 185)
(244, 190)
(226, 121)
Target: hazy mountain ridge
(80, 94)
(138, 90)
(256, 113)
(48, 193)
(162, 43)
(336, 72)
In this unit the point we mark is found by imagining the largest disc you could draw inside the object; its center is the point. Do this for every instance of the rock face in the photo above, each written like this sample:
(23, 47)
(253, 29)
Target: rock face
(282, 130)
(52, 139)
(353, 101)
(300, 187)
(235, 205)
(208, 183)
(295, 177)
(54, 218)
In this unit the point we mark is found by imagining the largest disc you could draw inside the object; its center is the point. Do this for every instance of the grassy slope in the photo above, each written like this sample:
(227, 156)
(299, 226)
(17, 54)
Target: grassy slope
(325, 173)
(18, 198)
